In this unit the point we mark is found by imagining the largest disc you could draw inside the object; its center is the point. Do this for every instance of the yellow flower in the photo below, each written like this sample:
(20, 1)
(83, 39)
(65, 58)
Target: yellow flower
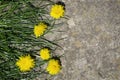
(39, 29)
(25, 63)
(45, 53)
(53, 67)
(57, 11)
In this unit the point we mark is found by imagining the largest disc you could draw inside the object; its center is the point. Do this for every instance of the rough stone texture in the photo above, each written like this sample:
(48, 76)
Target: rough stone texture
(91, 44)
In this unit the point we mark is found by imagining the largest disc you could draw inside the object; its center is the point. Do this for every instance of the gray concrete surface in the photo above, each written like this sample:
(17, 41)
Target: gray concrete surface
(92, 40)
(91, 46)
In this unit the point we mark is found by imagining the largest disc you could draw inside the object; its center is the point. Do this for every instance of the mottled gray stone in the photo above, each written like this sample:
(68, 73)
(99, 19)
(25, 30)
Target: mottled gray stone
(91, 46)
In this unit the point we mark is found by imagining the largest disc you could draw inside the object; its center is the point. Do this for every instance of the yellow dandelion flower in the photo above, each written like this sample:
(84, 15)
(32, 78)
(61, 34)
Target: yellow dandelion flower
(57, 11)
(39, 29)
(53, 67)
(45, 54)
(25, 63)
